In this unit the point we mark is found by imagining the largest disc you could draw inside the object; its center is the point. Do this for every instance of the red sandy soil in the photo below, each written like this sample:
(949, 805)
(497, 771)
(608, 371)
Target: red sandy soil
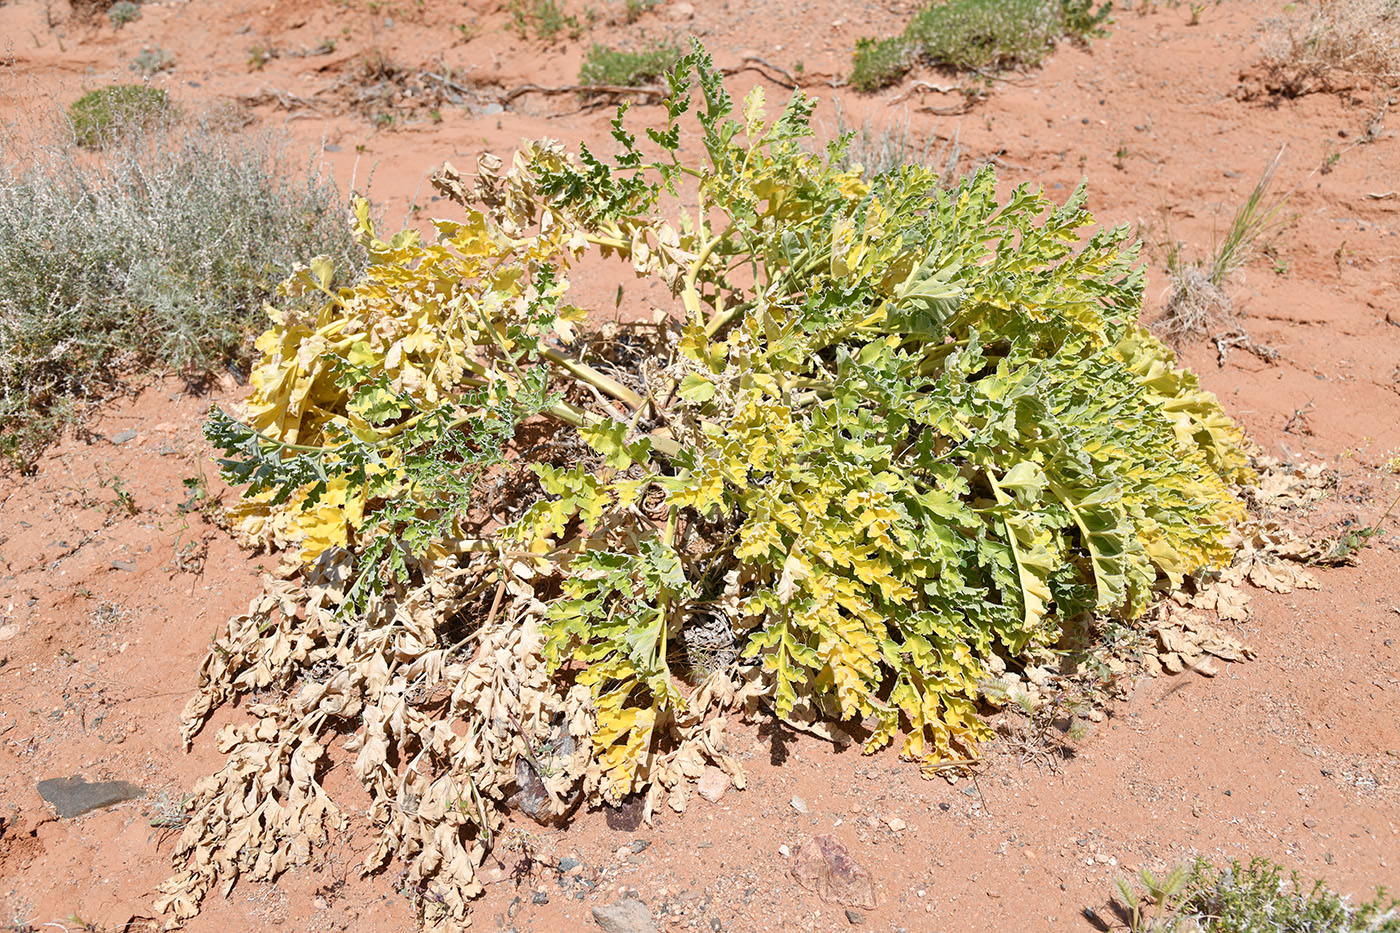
(106, 609)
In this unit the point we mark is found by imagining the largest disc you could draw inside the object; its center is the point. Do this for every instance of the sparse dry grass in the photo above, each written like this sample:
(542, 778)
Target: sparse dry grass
(1198, 301)
(1195, 305)
(1334, 45)
(158, 253)
(886, 148)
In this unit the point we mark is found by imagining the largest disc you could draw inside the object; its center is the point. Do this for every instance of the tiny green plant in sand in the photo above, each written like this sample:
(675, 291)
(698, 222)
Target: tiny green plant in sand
(109, 113)
(123, 12)
(151, 62)
(545, 19)
(976, 35)
(609, 67)
(884, 432)
(1246, 898)
(633, 10)
(259, 56)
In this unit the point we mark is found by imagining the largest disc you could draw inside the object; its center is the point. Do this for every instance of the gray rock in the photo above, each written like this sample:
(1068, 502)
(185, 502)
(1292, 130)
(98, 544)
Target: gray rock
(121, 437)
(568, 864)
(74, 796)
(625, 916)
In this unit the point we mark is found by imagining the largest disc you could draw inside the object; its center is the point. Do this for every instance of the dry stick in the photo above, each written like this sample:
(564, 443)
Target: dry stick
(649, 90)
(288, 100)
(985, 809)
(921, 87)
(450, 85)
(751, 63)
(947, 111)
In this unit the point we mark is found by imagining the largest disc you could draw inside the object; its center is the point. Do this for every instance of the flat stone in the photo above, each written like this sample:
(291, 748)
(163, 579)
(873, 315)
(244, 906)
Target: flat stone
(74, 796)
(625, 916)
(121, 437)
(712, 784)
(824, 867)
(679, 13)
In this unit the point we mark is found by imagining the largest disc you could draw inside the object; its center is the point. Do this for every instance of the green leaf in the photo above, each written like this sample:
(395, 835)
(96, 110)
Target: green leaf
(608, 438)
(697, 389)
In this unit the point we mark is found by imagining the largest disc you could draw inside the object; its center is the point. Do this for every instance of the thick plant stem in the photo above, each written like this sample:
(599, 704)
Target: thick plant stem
(585, 373)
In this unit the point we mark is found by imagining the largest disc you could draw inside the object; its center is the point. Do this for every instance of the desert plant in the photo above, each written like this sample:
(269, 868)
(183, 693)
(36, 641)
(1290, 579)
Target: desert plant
(123, 12)
(624, 68)
(109, 113)
(547, 19)
(976, 35)
(1198, 297)
(1334, 45)
(259, 55)
(159, 253)
(886, 148)
(150, 62)
(1201, 898)
(1150, 910)
(890, 431)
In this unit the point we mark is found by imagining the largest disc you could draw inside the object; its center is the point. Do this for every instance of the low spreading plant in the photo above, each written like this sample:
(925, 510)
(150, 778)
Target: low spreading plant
(623, 68)
(887, 431)
(151, 62)
(158, 252)
(1240, 898)
(547, 19)
(110, 112)
(970, 35)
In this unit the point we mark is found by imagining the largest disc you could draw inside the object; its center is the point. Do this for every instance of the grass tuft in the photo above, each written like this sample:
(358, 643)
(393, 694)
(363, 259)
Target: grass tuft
(160, 253)
(972, 35)
(1198, 298)
(547, 19)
